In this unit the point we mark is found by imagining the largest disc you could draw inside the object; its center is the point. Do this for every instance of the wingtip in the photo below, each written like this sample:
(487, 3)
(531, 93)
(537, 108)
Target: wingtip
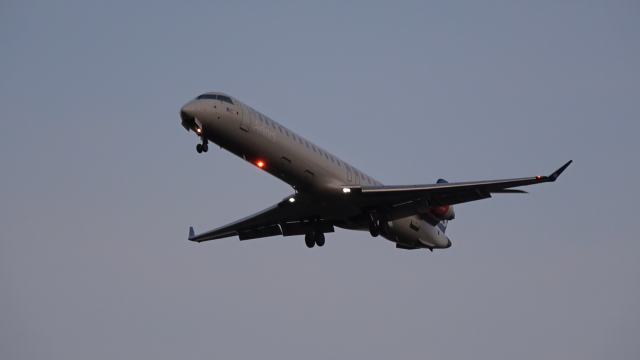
(557, 173)
(192, 234)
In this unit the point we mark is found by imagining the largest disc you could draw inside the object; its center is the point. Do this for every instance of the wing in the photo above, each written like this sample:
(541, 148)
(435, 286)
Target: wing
(285, 218)
(299, 217)
(442, 194)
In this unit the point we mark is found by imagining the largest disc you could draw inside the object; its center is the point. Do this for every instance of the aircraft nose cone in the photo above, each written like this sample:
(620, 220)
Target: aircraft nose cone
(188, 112)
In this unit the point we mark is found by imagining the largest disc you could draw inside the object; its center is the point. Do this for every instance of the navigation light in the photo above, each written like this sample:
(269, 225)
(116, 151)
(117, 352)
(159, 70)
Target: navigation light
(260, 163)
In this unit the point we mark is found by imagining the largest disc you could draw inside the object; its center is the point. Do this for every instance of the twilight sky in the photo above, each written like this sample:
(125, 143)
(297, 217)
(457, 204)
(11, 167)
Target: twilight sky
(99, 183)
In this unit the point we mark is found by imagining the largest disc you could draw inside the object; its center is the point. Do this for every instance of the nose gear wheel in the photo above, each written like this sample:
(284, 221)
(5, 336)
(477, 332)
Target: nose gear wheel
(203, 147)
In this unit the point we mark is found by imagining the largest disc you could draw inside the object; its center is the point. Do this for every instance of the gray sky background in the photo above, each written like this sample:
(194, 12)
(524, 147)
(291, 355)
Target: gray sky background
(99, 183)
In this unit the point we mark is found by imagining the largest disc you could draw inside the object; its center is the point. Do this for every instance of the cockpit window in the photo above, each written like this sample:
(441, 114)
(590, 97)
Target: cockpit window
(214, 97)
(225, 98)
(207, 96)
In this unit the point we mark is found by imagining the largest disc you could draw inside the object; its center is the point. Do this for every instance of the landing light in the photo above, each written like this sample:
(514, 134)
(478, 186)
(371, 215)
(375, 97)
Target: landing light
(260, 164)
(346, 190)
(198, 130)
(292, 200)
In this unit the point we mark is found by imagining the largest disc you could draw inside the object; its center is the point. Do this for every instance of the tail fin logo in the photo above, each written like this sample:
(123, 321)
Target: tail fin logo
(442, 225)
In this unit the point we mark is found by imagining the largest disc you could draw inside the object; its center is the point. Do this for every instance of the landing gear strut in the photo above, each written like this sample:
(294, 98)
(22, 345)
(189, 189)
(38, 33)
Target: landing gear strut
(314, 238)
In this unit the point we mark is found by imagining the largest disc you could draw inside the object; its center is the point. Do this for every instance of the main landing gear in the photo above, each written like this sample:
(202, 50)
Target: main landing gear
(204, 147)
(374, 228)
(377, 227)
(314, 238)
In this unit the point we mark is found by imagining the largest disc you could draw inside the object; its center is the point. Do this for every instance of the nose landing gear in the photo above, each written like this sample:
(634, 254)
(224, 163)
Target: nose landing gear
(204, 147)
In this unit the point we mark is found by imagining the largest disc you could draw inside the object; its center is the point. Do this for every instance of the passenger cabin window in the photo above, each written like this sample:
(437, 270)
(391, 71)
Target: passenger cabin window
(307, 144)
(280, 128)
(214, 97)
(294, 136)
(331, 158)
(285, 130)
(338, 162)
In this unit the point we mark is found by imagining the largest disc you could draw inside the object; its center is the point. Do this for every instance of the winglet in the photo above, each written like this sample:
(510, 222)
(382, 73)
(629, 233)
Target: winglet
(191, 233)
(557, 173)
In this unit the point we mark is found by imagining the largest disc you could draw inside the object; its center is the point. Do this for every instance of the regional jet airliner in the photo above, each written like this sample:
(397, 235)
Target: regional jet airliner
(328, 192)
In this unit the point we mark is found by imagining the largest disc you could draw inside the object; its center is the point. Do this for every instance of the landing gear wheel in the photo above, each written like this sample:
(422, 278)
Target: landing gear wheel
(309, 240)
(199, 148)
(374, 228)
(320, 239)
(205, 147)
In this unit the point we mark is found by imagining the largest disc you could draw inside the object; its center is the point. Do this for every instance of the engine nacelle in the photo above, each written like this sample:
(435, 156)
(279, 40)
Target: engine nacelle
(443, 213)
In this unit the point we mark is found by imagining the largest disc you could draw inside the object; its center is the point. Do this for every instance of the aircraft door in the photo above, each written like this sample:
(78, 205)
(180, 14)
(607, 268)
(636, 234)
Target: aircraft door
(245, 123)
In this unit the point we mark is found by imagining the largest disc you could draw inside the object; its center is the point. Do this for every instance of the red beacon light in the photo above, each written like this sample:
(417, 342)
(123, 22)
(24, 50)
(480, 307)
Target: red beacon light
(260, 163)
(538, 177)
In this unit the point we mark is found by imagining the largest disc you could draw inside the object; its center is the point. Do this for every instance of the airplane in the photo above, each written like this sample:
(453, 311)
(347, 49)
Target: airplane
(328, 192)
